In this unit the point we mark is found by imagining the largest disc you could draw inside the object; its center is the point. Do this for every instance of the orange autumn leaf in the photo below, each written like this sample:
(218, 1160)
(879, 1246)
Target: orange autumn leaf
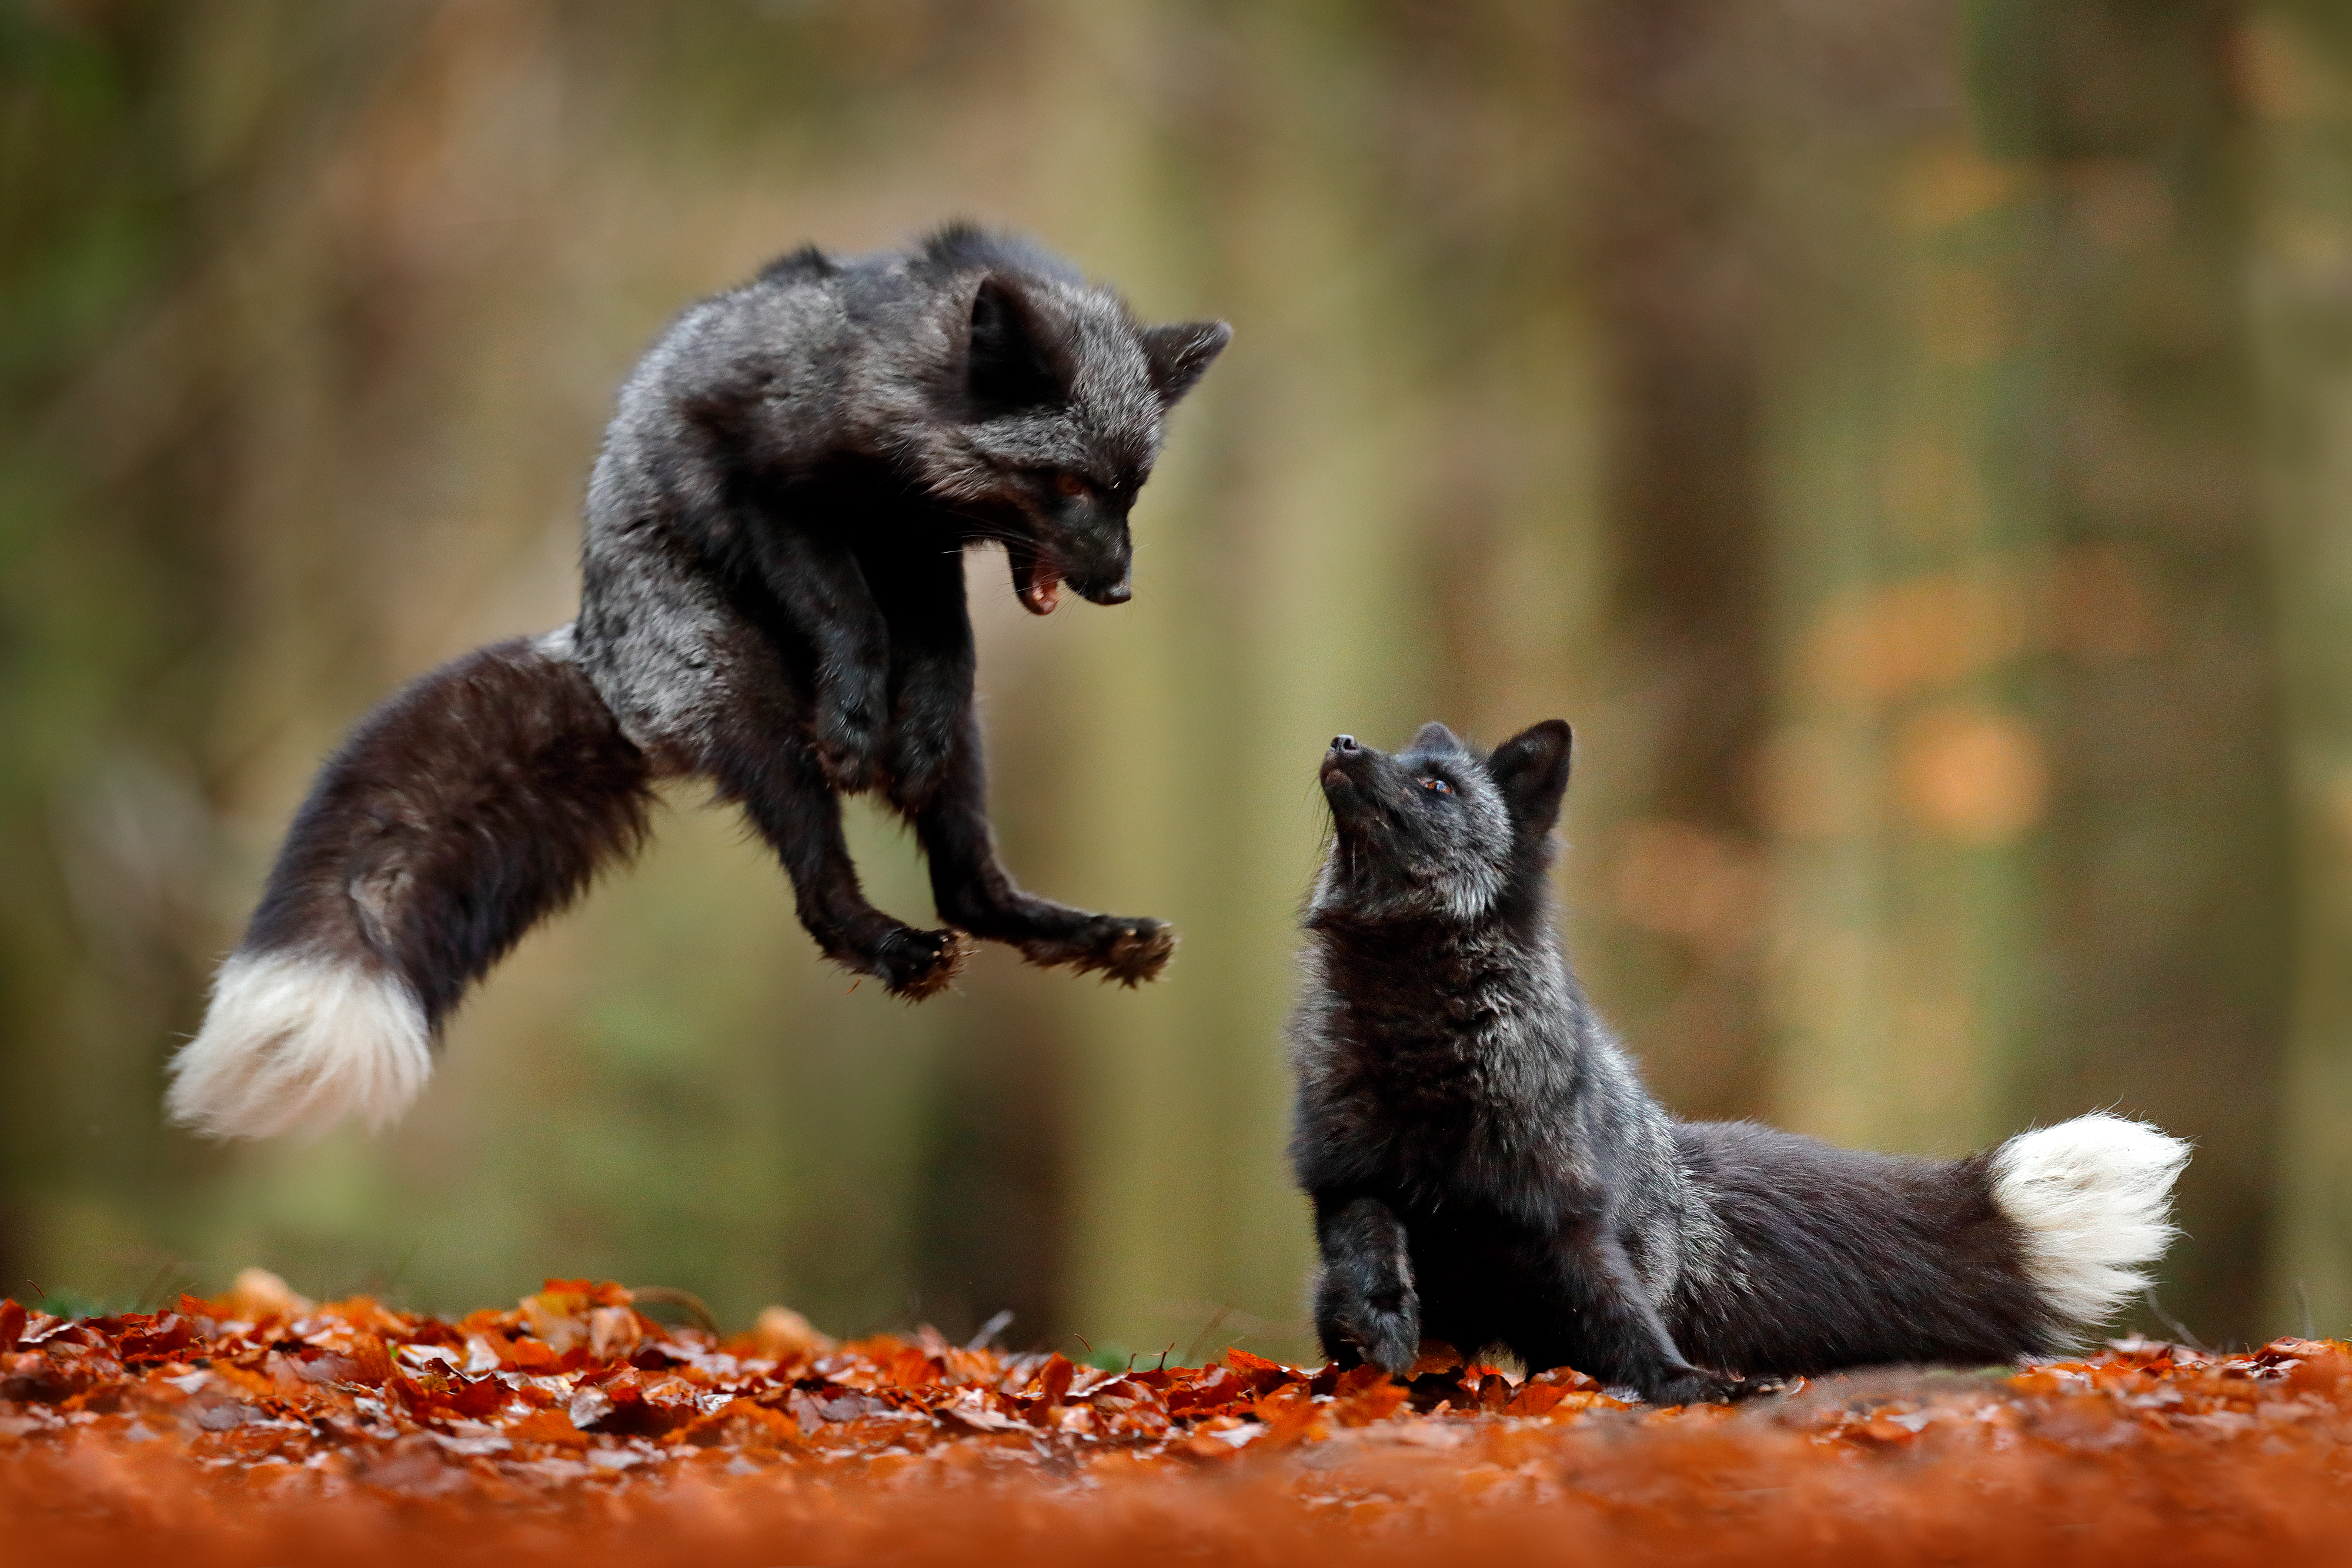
(371, 1362)
(1368, 1400)
(1053, 1379)
(548, 1427)
(523, 1353)
(1536, 1399)
(1436, 1356)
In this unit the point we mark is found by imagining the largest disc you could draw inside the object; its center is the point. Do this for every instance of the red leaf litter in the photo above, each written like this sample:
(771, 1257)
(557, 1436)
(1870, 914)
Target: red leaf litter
(261, 1429)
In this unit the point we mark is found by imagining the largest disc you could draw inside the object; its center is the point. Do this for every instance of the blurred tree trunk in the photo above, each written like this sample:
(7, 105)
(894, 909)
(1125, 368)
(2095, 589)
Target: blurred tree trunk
(2169, 929)
(2298, 57)
(1671, 225)
(1903, 784)
(1147, 1222)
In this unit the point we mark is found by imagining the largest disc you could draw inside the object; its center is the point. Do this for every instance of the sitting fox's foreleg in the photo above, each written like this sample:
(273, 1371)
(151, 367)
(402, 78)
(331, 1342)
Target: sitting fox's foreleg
(1365, 1306)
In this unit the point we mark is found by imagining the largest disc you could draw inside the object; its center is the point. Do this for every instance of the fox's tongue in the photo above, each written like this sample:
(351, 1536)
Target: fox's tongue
(1037, 584)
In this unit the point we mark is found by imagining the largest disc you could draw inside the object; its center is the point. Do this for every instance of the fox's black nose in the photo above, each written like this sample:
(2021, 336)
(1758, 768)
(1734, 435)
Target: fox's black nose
(1343, 743)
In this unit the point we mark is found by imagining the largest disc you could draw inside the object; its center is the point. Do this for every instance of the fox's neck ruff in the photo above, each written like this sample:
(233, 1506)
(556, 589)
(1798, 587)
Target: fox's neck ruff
(1437, 984)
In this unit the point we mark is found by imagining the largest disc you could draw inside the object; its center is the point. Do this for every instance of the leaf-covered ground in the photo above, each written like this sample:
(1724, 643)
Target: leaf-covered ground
(259, 1428)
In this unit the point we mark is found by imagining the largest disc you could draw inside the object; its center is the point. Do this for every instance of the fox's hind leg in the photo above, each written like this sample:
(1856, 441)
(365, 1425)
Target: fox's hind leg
(1602, 1323)
(973, 889)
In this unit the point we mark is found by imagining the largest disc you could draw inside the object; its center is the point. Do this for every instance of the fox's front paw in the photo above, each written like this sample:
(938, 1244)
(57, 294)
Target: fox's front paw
(1385, 1333)
(1128, 949)
(917, 964)
(1393, 1338)
(1696, 1385)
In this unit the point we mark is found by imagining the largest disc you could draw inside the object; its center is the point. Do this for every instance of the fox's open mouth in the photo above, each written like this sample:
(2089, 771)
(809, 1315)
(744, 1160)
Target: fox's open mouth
(1036, 580)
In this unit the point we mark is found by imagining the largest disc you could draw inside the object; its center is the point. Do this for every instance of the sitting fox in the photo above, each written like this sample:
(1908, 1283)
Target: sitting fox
(774, 600)
(1487, 1168)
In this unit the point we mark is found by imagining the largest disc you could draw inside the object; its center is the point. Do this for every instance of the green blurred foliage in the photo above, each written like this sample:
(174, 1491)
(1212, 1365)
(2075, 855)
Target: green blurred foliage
(1905, 439)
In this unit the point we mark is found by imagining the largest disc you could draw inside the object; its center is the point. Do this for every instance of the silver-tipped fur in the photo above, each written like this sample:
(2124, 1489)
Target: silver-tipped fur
(2094, 1196)
(295, 1042)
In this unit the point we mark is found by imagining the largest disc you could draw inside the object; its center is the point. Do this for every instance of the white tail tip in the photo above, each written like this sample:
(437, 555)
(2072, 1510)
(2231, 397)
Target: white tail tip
(2094, 1196)
(295, 1042)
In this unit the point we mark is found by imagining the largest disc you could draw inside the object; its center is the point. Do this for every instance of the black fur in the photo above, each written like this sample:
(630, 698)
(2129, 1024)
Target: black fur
(477, 801)
(1487, 1169)
(1847, 1259)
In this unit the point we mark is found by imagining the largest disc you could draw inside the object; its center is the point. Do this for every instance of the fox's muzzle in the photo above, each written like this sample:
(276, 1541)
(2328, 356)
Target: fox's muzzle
(1335, 760)
(1099, 559)
(1352, 778)
(1118, 593)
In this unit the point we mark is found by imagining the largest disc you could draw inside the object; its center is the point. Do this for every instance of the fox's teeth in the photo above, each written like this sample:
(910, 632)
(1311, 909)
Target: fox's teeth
(1036, 579)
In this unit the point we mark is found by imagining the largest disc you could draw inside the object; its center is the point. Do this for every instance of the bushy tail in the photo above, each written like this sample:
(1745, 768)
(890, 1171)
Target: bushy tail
(2093, 1197)
(461, 812)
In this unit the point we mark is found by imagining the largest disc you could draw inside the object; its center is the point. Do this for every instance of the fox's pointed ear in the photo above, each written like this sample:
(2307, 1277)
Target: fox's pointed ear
(1180, 352)
(1435, 737)
(1531, 770)
(1008, 366)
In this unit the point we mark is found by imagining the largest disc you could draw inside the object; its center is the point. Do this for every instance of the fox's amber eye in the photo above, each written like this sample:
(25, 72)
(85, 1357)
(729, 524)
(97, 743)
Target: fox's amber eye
(1070, 485)
(1437, 786)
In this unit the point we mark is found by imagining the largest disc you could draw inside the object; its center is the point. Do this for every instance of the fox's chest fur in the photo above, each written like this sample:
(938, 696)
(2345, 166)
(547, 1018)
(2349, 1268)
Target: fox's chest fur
(1446, 1108)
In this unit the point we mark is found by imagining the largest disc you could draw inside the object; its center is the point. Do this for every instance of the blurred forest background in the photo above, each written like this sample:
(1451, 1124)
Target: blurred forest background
(1910, 439)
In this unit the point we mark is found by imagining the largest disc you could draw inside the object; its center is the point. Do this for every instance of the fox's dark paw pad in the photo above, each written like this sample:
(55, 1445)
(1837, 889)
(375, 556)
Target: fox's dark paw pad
(1129, 951)
(917, 964)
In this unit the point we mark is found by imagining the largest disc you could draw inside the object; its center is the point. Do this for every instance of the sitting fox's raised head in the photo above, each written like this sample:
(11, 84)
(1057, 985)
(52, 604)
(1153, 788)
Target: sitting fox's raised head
(1439, 832)
(1048, 419)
